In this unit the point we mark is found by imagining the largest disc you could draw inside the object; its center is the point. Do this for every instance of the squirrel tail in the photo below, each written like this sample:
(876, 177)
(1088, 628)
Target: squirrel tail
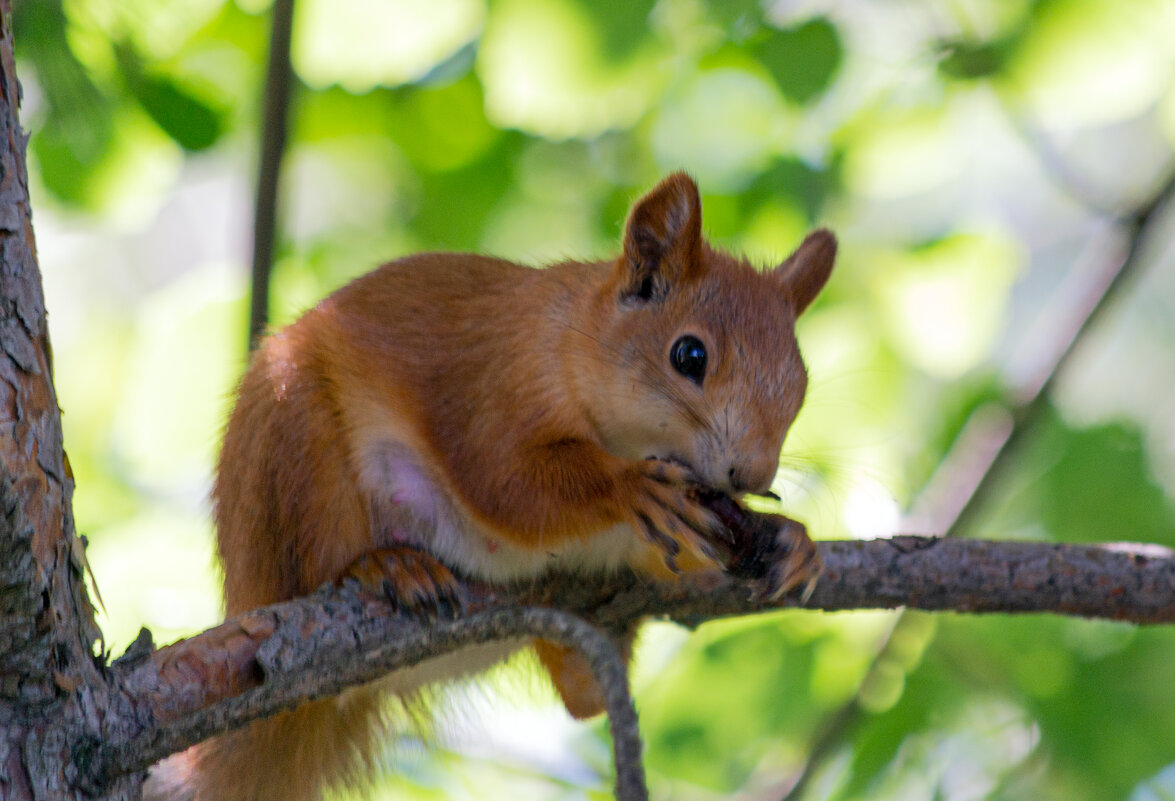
(293, 756)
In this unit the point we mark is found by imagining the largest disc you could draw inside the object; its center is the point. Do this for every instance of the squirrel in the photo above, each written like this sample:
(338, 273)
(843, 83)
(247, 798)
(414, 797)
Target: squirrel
(453, 415)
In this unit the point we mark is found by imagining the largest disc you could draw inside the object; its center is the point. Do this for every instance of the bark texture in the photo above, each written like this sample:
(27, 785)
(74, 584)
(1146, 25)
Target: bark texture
(52, 689)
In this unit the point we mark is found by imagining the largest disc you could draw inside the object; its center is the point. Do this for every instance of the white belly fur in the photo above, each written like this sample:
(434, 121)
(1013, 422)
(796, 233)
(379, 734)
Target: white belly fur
(410, 507)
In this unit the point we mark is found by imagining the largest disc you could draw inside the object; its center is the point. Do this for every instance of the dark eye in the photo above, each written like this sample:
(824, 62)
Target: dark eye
(689, 358)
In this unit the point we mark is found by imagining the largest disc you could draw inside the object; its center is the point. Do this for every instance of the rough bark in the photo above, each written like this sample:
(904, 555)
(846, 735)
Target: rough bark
(52, 690)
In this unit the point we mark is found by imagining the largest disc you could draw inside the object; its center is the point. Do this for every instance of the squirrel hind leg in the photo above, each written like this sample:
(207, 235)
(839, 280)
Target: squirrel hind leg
(573, 678)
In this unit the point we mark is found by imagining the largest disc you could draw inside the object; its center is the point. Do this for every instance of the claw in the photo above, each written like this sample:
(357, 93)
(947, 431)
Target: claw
(794, 563)
(657, 537)
(669, 516)
(809, 588)
(410, 579)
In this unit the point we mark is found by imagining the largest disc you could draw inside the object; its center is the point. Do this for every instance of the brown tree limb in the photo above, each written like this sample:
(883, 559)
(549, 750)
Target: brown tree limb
(270, 659)
(320, 645)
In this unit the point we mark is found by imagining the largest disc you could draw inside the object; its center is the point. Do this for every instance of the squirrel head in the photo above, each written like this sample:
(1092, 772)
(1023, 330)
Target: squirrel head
(708, 372)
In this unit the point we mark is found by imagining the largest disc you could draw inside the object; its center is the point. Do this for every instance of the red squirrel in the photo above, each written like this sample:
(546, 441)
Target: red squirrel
(455, 415)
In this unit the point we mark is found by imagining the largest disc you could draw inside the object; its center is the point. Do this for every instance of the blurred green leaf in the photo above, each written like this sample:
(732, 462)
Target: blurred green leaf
(803, 59)
(1091, 63)
(740, 18)
(744, 682)
(1104, 725)
(336, 114)
(361, 45)
(1097, 485)
(545, 71)
(903, 695)
(452, 213)
(69, 153)
(76, 126)
(622, 24)
(190, 122)
(442, 127)
(724, 125)
(969, 60)
(808, 185)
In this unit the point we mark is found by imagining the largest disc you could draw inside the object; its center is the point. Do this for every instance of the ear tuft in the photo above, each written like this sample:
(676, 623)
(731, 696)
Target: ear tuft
(663, 236)
(806, 271)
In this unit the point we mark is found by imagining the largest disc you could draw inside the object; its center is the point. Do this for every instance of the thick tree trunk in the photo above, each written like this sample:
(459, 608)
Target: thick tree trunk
(52, 690)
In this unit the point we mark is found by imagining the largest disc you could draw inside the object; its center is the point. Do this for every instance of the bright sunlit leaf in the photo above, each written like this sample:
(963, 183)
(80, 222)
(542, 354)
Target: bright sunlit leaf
(1091, 62)
(943, 304)
(724, 127)
(546, 72)
(362, 44)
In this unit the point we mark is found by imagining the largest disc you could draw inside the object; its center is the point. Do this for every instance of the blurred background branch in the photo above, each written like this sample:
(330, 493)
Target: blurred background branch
(274, 121)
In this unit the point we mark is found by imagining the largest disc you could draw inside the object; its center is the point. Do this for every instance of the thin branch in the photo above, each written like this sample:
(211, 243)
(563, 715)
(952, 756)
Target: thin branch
(1133, 582)
(273, 145)
(272, 658)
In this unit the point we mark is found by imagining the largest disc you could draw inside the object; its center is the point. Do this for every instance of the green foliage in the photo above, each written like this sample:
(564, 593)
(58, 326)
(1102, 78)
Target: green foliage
(970, 60)
(181, 115)
(1095, 484)
(737, 17)
(79, 126)
(757, 679)
(806, 185)
(803, 59)
(623, 25)
(938, 140)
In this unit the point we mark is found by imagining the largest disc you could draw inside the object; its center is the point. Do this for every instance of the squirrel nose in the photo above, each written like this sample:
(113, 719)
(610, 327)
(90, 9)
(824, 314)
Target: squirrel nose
(751, 476)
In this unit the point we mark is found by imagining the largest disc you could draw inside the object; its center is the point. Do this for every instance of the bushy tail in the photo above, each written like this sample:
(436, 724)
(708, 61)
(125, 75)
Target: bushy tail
(292, 756)
(170, 780)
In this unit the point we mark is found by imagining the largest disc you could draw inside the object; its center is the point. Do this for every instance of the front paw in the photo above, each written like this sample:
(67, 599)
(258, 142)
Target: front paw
(772, 550)
(792, 562)
(667, 511)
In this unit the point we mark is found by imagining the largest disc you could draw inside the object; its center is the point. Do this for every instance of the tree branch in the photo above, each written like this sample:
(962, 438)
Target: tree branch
(320, 645)
(270, 659)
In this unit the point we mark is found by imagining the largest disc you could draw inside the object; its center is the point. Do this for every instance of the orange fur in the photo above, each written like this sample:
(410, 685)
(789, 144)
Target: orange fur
(499, 418)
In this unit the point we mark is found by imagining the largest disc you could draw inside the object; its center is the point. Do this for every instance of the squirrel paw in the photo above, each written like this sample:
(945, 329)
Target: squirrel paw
(669, 517)
(793, 561)
(411, 579)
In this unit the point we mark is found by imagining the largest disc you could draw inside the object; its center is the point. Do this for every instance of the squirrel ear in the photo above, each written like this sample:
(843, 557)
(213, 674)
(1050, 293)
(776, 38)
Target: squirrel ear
(806, 271)
(663, 237)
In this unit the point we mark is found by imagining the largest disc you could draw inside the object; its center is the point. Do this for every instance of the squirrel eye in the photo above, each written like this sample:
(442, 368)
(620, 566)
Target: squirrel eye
(689, 358)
